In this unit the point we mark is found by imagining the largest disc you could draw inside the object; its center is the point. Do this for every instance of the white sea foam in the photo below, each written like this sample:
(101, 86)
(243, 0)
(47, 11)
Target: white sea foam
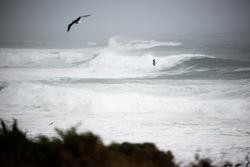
(113, 61)
(242, 69)
(91, 86)
(92, 43)
(43, 57)
(118, 43)
(193, 119)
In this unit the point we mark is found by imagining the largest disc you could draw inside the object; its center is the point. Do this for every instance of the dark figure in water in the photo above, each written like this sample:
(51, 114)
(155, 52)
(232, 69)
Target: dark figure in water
(76, 21)
(154, 63)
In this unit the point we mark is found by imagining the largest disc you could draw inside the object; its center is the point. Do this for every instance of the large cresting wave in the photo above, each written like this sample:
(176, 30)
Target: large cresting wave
(123, 56)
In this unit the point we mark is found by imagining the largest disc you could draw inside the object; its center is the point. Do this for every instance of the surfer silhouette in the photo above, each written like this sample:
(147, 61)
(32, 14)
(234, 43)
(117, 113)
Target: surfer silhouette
(154, 62)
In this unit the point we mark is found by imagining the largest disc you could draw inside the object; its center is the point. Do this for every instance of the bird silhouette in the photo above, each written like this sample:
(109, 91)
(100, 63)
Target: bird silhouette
(154, 63)
(76, 21)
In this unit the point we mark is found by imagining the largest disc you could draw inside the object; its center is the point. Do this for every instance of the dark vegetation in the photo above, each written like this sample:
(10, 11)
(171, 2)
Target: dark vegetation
(71, 149)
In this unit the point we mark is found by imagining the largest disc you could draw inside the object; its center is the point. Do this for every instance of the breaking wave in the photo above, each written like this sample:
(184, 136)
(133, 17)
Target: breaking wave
(117, 43)
(126, 57)
(21, 58)
(114, 89)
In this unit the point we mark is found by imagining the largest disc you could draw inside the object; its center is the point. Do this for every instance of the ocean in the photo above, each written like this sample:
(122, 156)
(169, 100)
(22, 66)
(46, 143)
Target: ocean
(196, 99)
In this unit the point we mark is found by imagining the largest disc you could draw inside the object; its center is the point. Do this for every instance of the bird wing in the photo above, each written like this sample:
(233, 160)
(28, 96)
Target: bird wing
(69, 26)
(86, 15)
(76, 21)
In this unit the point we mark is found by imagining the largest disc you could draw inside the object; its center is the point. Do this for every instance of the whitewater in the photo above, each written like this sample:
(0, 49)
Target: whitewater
(190, 102)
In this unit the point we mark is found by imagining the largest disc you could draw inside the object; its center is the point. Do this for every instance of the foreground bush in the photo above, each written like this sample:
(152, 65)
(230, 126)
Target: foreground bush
(71, 149)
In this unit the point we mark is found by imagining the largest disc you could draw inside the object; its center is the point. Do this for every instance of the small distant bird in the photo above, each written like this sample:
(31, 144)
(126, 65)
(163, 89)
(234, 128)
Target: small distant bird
(76, 21)
(154, 62)
(51, 123)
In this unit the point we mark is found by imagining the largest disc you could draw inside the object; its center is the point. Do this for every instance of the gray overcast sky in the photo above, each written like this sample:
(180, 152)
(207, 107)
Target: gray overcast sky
(45, 18)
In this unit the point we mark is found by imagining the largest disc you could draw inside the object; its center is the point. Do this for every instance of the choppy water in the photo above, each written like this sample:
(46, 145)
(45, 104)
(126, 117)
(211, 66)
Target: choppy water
(194, 100)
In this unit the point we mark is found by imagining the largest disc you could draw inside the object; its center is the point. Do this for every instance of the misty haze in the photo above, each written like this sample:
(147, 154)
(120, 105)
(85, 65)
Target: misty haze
(172, 72)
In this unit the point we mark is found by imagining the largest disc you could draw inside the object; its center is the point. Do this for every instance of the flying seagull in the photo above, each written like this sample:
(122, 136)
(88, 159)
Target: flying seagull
(76, 21)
